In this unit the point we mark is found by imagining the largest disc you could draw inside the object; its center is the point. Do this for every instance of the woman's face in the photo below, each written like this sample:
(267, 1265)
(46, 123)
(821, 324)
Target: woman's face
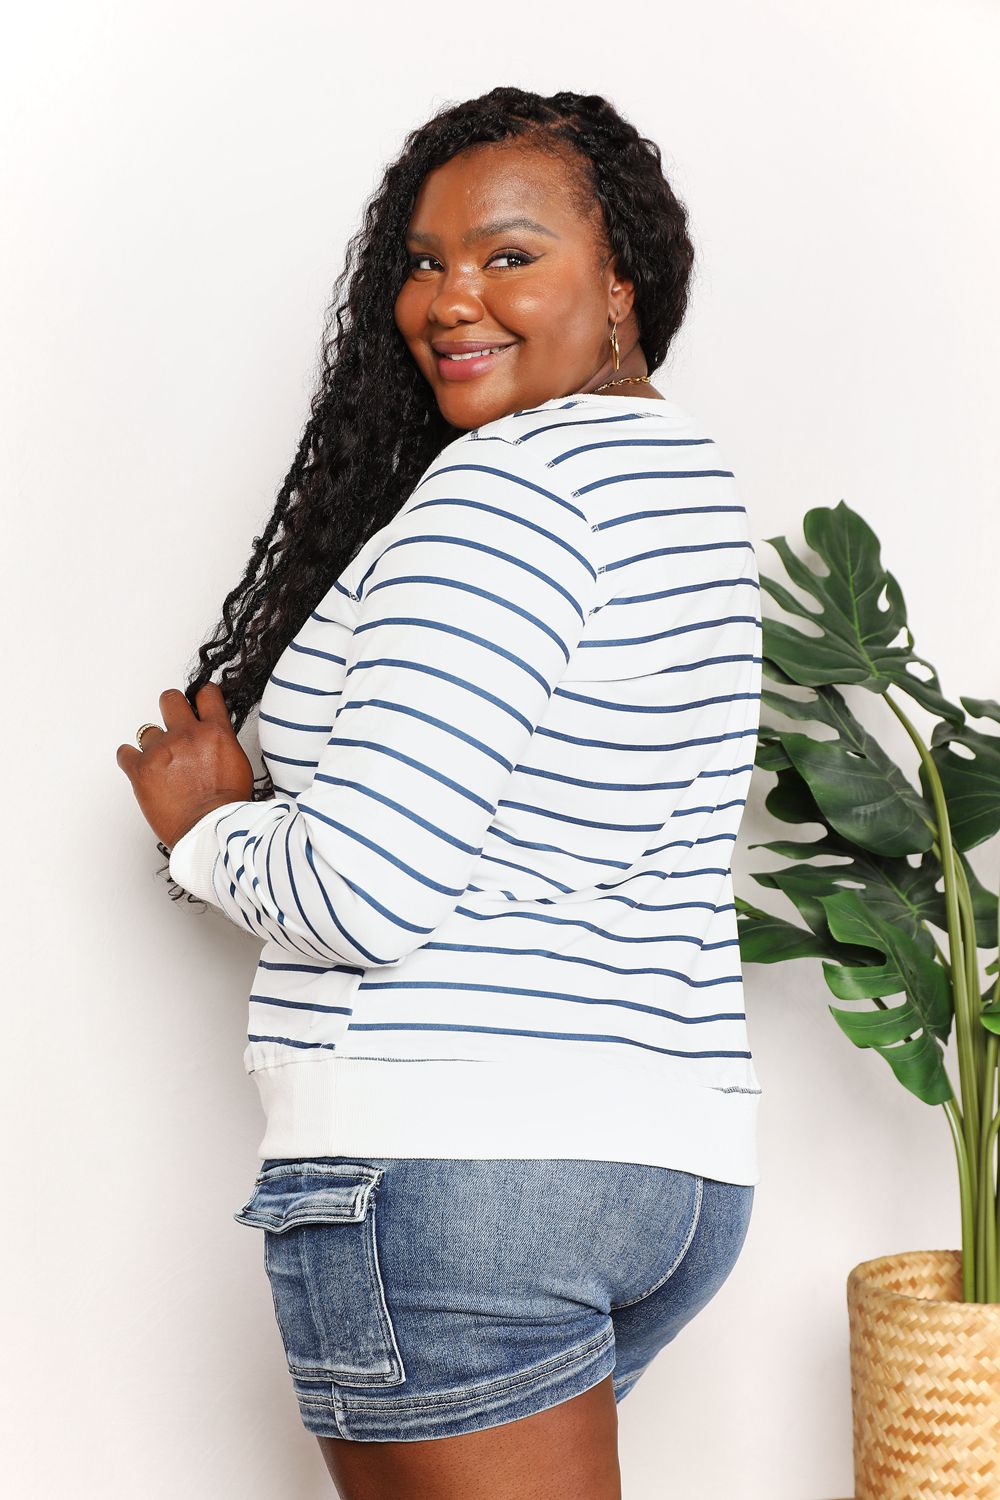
(499, 255)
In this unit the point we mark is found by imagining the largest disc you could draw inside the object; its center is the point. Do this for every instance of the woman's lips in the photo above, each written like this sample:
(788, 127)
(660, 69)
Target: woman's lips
(468, 369)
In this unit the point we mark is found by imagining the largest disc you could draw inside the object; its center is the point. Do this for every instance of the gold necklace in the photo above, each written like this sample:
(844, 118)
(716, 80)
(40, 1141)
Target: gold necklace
(625, 380)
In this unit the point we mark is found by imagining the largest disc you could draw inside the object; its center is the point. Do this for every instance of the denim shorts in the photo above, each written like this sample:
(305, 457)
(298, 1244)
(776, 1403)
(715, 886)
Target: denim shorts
(422, 1297)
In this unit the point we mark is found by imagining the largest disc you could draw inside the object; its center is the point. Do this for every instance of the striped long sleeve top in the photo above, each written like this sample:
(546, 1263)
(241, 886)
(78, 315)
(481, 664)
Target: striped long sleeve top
(511, 748)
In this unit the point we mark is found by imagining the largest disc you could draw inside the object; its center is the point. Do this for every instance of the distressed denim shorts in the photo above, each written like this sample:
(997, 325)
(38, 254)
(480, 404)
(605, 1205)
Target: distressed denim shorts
(422, 1297)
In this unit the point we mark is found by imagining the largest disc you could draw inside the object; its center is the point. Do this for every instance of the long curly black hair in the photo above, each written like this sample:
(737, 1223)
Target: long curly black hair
(374, 423)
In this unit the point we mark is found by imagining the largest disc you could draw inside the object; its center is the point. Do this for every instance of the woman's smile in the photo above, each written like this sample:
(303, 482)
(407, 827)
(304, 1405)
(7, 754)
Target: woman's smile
(472, 363)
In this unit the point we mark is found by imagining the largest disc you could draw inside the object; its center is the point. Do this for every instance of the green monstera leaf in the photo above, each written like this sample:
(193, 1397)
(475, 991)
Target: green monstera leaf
(790, 798)
(855, 643)
(910, 896)
(982, 708)
(857, 788)
(971, 782)
(984, 907)
(766, 939)
(893, 889)
(909, 1036)
(901, 893)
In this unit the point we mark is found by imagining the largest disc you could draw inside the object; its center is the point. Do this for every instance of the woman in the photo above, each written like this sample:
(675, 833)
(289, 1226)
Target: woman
(503, 627)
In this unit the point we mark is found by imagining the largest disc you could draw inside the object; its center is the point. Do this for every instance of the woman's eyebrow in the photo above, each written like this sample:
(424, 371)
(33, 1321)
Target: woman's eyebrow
(485, 231)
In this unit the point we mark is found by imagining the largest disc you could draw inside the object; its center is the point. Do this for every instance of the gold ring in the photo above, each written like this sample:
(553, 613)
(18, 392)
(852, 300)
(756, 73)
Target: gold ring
(141, 731)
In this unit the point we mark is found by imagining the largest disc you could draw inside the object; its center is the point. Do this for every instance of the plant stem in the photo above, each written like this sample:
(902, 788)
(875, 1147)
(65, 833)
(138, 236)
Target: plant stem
(989, 1204)
(942, 956)
(966, 1022)
(985, 1068)
(996, 1227)
(970, 940)
(965, 1007)
(966, 1200)
(989, 1177)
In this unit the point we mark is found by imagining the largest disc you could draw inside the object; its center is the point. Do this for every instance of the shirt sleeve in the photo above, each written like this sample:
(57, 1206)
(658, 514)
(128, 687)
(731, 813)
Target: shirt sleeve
(475, 601)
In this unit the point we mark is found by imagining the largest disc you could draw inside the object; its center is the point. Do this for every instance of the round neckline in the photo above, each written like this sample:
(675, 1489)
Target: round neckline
(621, 400)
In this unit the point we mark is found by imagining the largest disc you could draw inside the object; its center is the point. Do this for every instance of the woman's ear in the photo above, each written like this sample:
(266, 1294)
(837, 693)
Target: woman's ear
(621, 291)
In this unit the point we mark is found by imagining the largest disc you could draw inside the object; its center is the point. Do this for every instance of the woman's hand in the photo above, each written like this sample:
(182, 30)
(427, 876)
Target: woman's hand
(193, 765)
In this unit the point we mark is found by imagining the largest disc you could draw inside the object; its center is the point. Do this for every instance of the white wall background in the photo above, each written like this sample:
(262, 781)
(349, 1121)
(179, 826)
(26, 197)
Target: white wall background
(179, 183)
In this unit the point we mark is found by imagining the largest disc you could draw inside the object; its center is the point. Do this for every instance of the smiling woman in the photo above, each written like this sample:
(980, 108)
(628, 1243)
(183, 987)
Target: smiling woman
(503, 629)
(502, 309)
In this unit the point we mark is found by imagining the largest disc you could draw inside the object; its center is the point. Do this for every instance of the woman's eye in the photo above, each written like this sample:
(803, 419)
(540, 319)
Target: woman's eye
(509, 255)
(525, 260)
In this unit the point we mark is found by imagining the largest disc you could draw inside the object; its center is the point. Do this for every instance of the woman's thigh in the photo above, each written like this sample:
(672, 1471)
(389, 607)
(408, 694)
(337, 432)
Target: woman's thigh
(564, 1452)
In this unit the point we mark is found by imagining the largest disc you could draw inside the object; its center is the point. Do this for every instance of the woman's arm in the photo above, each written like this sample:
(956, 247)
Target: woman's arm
(467, 619)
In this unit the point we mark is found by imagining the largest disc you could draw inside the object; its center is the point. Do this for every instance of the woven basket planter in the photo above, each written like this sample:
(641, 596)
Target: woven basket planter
(925, 1381)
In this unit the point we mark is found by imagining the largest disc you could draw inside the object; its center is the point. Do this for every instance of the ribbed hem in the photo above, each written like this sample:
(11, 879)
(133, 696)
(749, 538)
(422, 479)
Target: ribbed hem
(569, 1108)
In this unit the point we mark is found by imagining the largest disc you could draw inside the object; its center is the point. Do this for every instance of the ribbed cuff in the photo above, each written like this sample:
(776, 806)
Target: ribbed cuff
(193, 857)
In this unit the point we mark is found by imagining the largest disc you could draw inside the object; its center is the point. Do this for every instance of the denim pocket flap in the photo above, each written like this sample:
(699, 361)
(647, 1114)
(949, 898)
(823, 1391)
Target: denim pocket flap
(321, 1254)
(309, 1193)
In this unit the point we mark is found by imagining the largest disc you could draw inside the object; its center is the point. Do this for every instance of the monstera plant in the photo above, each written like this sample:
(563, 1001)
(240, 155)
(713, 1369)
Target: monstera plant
(886, 895)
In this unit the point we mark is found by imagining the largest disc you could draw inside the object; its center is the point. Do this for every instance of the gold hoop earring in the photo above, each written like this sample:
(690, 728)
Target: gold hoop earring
(616, 357)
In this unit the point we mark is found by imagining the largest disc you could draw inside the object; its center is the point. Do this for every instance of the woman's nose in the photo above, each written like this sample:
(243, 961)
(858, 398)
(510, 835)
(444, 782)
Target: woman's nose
(459, 295)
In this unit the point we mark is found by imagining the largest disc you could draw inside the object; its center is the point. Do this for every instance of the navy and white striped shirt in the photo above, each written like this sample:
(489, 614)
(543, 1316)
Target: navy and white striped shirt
(511, 748)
